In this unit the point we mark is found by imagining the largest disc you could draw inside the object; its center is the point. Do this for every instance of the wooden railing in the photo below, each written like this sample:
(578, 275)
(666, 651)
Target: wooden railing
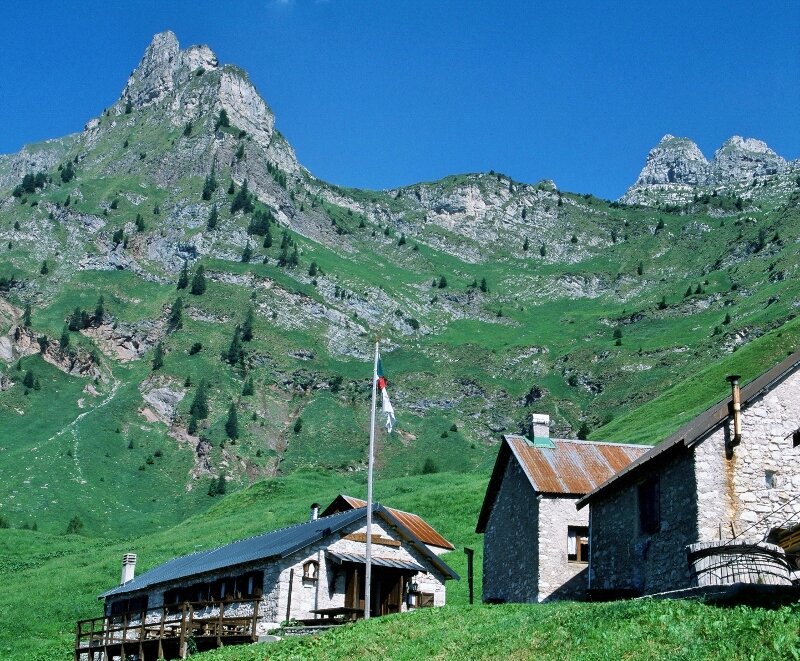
(205, 623)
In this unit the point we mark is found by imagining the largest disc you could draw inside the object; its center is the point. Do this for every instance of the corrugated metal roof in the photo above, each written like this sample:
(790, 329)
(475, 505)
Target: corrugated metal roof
(416, 524)
(275, 544)
(382, 562)
(571, 468)
(699, 427)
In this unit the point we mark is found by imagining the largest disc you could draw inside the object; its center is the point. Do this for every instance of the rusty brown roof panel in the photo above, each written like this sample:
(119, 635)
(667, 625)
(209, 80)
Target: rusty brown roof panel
(572, 467)
(416, 524)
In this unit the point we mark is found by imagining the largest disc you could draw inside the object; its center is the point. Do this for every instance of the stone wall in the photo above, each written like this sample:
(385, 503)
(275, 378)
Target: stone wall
(559, 578)
(326, 591)
(752, 489)
(510, 542)
(708, 492)
(622, 556)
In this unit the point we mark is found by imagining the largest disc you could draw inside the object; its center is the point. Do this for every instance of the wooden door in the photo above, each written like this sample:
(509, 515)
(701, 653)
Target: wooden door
(354, 587)
(391, 592)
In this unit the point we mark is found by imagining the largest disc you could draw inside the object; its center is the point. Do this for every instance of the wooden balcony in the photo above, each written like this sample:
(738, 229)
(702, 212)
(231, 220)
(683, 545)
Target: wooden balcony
(168, 632)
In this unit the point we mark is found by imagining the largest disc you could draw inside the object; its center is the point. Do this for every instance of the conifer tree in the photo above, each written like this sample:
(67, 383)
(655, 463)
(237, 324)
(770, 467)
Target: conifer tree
(209, 185)
(248, 388)
(484, 286)
(199, 407)
(158, 357)
(247, 253)
(26, 316)
(183, 277)
(140, 227)
(247, 326)
(232, 423)
(312, 270)
(63, 342)
(213, 218)
(526, 244)
(176, 315)
(268, 238)
(199, 281)
(234, 353)
(221, 485)
(542, 250)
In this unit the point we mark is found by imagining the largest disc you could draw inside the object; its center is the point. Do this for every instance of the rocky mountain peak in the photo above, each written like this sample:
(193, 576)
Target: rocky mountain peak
(674, 160)
(675, 167)
(743, 158)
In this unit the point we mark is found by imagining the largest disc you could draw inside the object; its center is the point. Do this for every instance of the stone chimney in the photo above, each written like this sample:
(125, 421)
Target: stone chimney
(314, 512)
(540, 431)
(736, 408)
(128, 568)
(540, 425)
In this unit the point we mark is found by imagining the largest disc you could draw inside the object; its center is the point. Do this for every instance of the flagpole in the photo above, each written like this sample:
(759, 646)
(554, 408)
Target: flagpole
(368, 571)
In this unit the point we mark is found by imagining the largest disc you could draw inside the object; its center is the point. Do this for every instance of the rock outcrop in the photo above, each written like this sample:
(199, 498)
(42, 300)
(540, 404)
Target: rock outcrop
(676, 169)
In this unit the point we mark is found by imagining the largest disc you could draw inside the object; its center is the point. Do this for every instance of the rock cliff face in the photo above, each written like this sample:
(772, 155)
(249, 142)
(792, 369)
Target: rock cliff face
(676, 169)
(674, 161)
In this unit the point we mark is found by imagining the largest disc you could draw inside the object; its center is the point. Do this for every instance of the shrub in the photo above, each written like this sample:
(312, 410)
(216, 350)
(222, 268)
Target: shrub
(75, 525)
(298, 425)
(429, 467)
(195, 348)
(222, 120)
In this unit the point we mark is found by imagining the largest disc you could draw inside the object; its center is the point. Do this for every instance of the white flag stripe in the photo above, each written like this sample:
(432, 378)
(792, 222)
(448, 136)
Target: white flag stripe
(388, 409)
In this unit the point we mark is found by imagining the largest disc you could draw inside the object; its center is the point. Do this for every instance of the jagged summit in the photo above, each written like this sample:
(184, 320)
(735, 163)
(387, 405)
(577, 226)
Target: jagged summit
(674, 160)
(163, 67)
(676, 167)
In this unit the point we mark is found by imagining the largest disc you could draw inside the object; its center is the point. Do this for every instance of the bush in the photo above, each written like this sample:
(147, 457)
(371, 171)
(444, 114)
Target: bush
(195, 348)
(429, 467)
(75, 525)
(298, 425)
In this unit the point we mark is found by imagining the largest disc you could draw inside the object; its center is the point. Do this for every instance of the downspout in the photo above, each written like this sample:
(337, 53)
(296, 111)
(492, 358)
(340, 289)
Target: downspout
(591, 553)
(736, 409)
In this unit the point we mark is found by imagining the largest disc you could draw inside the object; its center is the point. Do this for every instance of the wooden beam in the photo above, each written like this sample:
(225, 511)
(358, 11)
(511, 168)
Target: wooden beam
(376, 539)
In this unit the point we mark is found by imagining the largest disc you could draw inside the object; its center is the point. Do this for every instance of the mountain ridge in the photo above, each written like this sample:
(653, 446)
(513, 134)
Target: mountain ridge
(494, 299)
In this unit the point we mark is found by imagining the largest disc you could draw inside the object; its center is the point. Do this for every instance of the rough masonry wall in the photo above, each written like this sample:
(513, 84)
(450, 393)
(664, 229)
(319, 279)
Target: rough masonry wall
(510, 542)
(559, 578)
(625, 558)
(328, 590)
(752, 489)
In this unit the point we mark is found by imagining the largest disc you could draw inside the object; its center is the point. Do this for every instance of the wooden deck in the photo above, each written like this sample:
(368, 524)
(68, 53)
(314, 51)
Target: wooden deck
(167, 632)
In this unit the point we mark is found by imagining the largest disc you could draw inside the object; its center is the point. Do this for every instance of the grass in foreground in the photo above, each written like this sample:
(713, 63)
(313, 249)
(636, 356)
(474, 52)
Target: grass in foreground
(621, 630)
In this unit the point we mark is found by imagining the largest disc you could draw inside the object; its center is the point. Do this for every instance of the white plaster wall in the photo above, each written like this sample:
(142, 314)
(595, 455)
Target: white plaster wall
(559, 578)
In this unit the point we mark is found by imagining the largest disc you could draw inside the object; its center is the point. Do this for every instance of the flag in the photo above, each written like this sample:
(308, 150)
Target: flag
(386, 405)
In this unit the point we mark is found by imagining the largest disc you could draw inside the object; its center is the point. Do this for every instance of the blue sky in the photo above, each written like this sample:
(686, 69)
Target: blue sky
(377, 94)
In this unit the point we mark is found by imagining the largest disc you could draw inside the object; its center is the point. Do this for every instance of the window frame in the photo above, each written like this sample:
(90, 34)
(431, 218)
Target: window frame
(581, 555)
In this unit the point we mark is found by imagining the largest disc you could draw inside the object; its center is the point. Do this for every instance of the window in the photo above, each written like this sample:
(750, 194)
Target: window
(796, 438)
(577, 544)
(649, 506)
(310, 570)
(770, 479)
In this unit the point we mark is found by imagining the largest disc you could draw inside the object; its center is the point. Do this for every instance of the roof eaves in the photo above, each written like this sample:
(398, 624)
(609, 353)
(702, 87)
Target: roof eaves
(441, 565)
(701, 425)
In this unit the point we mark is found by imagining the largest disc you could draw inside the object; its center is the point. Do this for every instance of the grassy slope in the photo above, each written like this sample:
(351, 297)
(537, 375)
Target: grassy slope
(655, 420)
(624, 630)
(58, 576)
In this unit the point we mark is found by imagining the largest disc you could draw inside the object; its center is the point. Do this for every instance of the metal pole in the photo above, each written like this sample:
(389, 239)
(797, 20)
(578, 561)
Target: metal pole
(470, 553)
(368, 564)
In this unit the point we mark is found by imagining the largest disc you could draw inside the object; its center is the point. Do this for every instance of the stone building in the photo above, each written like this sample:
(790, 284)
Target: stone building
(535, 545)
(242, 590)
(699, 508)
